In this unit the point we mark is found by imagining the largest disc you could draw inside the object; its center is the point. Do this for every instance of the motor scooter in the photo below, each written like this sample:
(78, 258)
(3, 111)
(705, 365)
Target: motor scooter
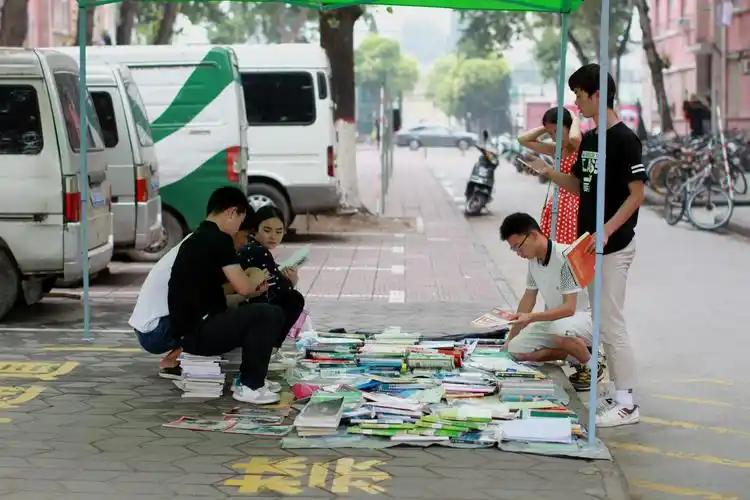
(481, 183)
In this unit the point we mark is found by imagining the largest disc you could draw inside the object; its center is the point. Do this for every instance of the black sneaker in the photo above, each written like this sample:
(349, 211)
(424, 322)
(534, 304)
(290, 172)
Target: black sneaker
(581, 379)
(173, 373)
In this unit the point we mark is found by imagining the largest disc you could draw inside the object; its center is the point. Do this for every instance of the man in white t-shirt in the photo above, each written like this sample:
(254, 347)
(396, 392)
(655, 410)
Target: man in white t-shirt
(564, 328)
(150, 318)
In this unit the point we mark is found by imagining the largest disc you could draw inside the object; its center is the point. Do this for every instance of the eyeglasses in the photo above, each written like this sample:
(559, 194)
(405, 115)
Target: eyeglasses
(516, 248)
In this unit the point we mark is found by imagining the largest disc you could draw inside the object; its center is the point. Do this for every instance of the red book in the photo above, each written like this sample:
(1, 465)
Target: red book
(582, 264)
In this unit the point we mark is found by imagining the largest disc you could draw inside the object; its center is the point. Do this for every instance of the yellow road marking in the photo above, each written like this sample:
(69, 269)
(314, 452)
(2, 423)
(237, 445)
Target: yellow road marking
(716, 381)
(90, 349)
(679, 490)
(695, 427)
(5, 420)
(33, 369)
(706, 459)
(12, 396)
(707, 402)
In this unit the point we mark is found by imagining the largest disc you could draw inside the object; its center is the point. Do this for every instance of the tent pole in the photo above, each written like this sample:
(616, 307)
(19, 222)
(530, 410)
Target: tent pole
(559, 132)
(84, 172)
(601, 168)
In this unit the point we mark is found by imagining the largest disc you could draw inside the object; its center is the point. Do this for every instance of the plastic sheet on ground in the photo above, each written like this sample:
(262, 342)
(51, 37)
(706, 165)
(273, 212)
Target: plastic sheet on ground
(577, 449)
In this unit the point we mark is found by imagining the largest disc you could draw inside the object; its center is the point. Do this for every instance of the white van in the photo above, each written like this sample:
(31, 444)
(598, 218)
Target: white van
(292, 138)
(40, 197)
(194, 102)
(132, 167)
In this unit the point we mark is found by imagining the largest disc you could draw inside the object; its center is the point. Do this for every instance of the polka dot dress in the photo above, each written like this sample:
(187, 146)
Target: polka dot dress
(567, 210)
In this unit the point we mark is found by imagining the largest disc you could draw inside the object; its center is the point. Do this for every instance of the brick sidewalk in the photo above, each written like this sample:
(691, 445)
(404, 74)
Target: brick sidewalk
(85, 422)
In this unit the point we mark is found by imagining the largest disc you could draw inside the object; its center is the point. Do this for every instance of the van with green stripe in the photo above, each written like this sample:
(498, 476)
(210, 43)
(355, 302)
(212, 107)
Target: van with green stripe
(195, 105)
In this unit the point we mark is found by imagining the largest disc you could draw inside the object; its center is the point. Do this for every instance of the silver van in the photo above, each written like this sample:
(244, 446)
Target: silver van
(132, 166)
(40, 196)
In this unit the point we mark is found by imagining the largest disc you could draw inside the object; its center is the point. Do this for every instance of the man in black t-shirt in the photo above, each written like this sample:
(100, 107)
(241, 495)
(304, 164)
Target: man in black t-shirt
(624, 194)
(197, 304)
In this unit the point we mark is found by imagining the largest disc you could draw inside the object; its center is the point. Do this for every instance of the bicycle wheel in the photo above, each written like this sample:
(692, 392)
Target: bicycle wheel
(740, 181)
(674, 207)
(709, 208)
(657, 173)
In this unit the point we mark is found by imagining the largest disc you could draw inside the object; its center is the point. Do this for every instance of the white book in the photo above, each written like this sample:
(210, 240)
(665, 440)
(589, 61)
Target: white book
(540, 429)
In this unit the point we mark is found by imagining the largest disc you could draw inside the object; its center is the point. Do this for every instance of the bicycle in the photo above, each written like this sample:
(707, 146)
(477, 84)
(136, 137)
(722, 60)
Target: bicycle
(701, 198)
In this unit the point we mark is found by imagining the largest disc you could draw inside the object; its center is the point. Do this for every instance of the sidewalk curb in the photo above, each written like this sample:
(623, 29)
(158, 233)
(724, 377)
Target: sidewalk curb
(655, 200)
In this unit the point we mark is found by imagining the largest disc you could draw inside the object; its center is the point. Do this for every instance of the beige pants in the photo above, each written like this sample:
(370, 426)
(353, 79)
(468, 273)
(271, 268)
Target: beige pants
(540, 335)
(613, 332)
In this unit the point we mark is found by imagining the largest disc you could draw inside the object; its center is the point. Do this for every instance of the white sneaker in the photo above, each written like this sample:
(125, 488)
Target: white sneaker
(272, 386)
(260, 396)
(617, 415)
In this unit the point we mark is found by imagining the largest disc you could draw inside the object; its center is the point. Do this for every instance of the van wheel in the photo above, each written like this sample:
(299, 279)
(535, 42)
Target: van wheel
(173, 234)
(414, 144)
(259, 194)
(9, 284)
(463, 145)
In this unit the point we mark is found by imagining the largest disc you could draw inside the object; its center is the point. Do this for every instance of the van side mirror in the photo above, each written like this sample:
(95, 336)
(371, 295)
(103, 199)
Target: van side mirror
(396, 120)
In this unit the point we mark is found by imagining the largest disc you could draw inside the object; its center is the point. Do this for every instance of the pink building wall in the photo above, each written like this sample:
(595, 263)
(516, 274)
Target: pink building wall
(686, 36)
(53, 22)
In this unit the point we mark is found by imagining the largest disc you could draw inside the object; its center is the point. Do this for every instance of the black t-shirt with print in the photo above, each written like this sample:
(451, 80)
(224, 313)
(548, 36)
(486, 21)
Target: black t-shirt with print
(195, 285)
(624, 165)
(256, 255)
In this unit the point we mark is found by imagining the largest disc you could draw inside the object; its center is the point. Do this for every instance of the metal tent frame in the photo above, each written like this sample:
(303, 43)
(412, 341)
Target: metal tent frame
(562, 7)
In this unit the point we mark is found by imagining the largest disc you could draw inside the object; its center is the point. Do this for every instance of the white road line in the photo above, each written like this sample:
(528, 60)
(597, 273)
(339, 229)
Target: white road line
(62, 330)
(346, 296)
(398, 269)
(397, 249)
(396, 297)
(420, 224)
(393, 269)
(398, 236)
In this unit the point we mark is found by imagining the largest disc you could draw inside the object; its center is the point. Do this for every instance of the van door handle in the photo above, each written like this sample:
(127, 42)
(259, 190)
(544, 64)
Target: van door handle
(200, 132)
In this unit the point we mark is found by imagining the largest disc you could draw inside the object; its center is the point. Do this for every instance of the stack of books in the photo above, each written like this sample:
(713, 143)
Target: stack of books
(202, 376)
(513, 389)
(468, 385)
(321, 416)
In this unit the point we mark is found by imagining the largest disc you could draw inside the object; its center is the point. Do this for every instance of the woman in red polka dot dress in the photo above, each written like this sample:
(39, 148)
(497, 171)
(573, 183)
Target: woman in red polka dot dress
(567, 214)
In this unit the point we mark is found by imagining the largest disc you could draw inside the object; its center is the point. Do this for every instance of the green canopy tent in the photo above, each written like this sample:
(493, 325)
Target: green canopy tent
(562, 7)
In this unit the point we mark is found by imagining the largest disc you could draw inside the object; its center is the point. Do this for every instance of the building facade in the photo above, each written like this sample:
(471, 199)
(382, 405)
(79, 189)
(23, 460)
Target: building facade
(706, 45)
(53, 23)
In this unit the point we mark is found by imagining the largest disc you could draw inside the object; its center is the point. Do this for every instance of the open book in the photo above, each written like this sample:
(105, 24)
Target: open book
(581, 263)
(493, 319)
(296, 259)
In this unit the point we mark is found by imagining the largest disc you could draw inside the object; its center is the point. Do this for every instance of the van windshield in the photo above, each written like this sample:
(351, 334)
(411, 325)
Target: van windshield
(279, 98)
(67, 88)
(142, 125)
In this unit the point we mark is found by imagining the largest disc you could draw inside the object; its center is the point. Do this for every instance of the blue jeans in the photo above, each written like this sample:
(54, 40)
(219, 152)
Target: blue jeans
(160, 339)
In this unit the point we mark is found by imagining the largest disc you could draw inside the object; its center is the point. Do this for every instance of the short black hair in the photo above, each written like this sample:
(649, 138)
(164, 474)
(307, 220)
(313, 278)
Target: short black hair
(518, 223)
(247, 223)
(264, 213)
(586, 78)
(227, 197)
(550, 117)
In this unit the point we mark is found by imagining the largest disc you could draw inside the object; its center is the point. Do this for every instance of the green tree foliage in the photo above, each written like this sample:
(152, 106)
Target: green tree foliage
(476, 90)
(379, 60)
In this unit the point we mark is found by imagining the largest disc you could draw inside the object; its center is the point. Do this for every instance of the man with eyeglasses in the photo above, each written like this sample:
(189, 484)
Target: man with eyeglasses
(563, 329)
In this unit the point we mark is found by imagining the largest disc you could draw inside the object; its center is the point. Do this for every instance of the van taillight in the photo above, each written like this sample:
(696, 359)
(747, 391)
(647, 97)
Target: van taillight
(72, 207)
(233, 163)
(141, 190)
(331, 163)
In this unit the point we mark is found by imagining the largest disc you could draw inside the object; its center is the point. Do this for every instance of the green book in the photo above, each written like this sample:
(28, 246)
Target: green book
(296, 259)
(456, 423)
(386, 426)
(376, 432)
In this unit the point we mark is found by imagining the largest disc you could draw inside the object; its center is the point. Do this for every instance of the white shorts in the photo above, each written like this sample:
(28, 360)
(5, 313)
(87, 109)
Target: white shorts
(540, 335)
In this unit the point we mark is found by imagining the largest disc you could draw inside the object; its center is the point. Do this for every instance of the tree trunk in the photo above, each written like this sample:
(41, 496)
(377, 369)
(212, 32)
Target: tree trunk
(15, 22)
(166, 25)
(127, 22)
(337, 38)
(578, 48)
(656, 66)
(89, 27)
(622, 48)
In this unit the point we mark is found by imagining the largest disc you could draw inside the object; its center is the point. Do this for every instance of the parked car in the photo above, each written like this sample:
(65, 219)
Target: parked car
(291, 134)
(194, 101)
(433, 136)
(132, 167)
(40, 181)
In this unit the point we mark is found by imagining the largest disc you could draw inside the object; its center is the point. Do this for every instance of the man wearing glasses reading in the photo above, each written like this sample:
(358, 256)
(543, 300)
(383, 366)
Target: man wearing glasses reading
(563, 329)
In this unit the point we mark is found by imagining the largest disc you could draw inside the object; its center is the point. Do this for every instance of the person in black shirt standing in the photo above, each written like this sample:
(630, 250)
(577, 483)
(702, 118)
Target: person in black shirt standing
(624, 194)
(197, 304)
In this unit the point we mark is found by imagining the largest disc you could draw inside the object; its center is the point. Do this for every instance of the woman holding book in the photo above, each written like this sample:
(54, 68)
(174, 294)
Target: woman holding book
(567, 220)
(267, 230)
